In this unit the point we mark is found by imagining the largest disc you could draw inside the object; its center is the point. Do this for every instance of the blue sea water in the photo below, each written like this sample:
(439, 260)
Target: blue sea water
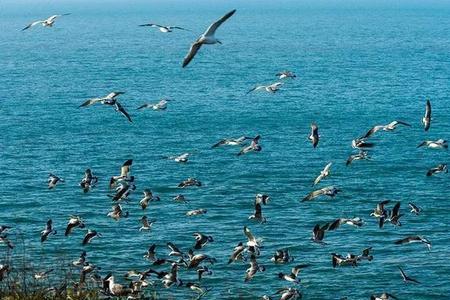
(357, 66)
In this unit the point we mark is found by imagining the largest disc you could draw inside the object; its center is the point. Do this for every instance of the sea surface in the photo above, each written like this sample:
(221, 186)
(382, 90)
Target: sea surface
(356, 67)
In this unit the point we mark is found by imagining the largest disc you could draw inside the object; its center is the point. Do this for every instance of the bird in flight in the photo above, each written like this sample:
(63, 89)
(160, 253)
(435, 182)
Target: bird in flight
(207, 38)
(109, 100)
(46, 23)
(163, 28)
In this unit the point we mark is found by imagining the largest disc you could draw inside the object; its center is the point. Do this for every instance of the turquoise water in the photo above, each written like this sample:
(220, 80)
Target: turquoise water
(356, 68)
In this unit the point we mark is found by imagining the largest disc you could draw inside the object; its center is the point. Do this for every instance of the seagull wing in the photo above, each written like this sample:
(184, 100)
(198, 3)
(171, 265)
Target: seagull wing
(32, 24)
(90, 102)
(428, 109)
(314, 194)
(192, 51)
(119, 108)
(213, 27)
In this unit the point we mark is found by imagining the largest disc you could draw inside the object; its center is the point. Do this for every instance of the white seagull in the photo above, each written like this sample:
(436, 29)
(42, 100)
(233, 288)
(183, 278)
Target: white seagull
(161, 105)
(207, 38)
(271, 88)
(163, 28)
(46, 23)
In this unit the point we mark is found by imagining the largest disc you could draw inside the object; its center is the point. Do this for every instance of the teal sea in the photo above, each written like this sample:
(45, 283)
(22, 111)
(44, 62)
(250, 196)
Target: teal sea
(358, 64)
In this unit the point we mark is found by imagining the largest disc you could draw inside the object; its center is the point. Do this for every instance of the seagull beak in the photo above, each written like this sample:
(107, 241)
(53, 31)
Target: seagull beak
(219, 42)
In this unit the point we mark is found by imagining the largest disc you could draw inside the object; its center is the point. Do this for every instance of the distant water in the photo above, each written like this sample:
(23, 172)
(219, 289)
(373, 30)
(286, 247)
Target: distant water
(356, 68)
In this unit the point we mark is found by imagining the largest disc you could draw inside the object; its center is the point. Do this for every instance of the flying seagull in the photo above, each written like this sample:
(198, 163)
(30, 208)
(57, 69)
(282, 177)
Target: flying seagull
(406, 278)
(109, 100)
(441, 168)
(438, 144)
(389, 127)
(414, 239)
(271, 88)
(231, 142)
(46, 23)
(163, 28)
(324, 173)
(314, 136)
(426, 120)
(207, 38)
(329, 191)
(285, 74)
(161, 105)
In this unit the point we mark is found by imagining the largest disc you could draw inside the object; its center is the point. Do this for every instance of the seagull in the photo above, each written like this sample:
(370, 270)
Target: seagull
(89, 236)
(314, 136)
(42, 275)
(189, 182)
(282, 256)
(74, 221)
(183, 158)
(324, 173)
(109, 100)
(257, 215)
(395, 216)
(441, 168)
(319, 233)
(162, 28)
(88, 181)
(172, 277)
(271, 88)
(380, 212)
(362, 155)
(414, 208)
(207, 38)
(384, 296)
(237, 254)
(339, 260)
(389, 127)
(146, 223)
(196, 259)
(285, 74)
(357, 222)
(293, 276)
(124, 190)
(361, 143)
(253, 147)
(148, 197)
(252, 241)
(117, 212)
(124, 173)
(47, 231)
(366, 254)
(253, 268)
(426, 120)
(46, 23)
(116, 289)
(414, 239)
(196, 212)
(174, 251)
(329, 191)
(232, 142)
(80, 261)
(53, 180)
(161, 105)
(407, 279)
(201, 240)
(438, 144)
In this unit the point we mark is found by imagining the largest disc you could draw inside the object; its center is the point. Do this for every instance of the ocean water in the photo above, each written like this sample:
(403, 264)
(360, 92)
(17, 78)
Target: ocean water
(356, 66)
